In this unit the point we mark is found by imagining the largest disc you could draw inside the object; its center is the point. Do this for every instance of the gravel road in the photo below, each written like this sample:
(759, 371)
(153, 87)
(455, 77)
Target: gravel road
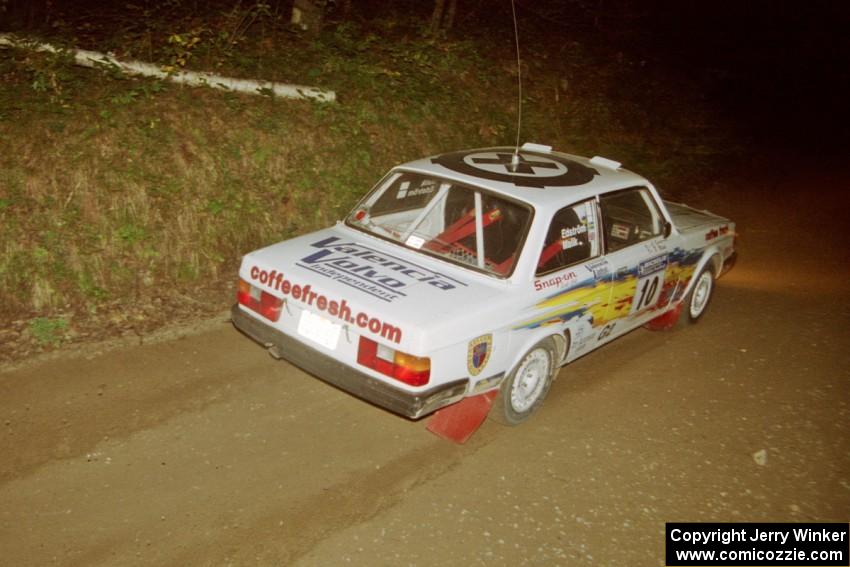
(204, 450)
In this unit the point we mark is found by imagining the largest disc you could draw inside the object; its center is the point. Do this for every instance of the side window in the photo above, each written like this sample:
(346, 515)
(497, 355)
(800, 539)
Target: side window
(572, 238)
(629, 217)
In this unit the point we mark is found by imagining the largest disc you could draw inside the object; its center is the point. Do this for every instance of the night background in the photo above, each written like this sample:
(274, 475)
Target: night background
(136, 425)
(173, 184)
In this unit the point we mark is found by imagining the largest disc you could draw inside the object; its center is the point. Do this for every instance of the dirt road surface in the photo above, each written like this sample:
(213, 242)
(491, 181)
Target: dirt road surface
(206, 451)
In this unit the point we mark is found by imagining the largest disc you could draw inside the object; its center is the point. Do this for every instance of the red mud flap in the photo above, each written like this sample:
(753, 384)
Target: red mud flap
(459, 421)
(665, 322)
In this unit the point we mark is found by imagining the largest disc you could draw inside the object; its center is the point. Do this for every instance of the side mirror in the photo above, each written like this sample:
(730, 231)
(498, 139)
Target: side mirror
(668, 229)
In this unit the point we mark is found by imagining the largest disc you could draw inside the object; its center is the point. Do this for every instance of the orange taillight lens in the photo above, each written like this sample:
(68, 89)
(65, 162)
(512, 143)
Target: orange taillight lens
(412, 370)
(259, 301)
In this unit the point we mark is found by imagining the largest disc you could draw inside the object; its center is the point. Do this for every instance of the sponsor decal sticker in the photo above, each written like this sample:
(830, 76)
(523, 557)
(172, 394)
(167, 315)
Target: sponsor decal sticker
(652, 265)
(415, 241)
(479, 354)
(655, 246)
(600, 268)
(427, 187)
(606, 331)
(620, 231)
(568, 236)
(555, 281)
(338, 309)
(573, 231)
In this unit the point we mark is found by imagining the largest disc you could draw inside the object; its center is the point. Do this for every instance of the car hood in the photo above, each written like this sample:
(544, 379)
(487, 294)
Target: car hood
(432, 302)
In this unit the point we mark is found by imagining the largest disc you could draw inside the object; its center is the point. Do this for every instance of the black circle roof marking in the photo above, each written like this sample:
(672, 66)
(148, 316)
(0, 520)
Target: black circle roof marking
(530, 172)
(503, 160)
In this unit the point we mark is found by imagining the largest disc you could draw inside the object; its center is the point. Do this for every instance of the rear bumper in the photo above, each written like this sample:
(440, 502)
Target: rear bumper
(409, 404)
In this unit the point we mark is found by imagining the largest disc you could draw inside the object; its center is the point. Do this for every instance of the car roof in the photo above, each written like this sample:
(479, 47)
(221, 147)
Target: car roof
(542, 177)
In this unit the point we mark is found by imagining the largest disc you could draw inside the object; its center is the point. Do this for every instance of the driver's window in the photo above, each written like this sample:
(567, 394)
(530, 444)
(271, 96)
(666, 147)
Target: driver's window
(629, 217)
(572, 238)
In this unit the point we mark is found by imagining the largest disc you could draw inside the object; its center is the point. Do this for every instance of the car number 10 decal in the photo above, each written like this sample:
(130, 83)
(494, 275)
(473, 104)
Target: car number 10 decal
(649, 284)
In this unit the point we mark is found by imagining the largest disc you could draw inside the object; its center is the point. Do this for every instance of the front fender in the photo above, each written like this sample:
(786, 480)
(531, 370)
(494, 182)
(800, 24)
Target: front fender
(711, 256)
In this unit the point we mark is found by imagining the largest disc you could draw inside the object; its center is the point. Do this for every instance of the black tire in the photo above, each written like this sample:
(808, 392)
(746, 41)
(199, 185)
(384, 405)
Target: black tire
(525, 388)
(696, 302)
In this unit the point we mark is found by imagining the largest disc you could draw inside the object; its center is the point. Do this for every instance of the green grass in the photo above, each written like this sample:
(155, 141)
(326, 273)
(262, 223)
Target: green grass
(47, 331)
(117, 191)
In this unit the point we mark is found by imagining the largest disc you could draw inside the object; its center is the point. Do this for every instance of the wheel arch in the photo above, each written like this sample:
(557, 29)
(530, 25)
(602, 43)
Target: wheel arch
(711, 258)
(716, 261)
(562, 345)
(524, 343)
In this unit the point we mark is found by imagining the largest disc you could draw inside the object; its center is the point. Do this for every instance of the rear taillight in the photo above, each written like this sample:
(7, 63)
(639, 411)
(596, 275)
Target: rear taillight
(412, 370)
(259, 301)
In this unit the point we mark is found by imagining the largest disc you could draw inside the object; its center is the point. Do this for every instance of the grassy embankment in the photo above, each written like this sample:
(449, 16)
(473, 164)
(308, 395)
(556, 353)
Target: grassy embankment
(126, 203)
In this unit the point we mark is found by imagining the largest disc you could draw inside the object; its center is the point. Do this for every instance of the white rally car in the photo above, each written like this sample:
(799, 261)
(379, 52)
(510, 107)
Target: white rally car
(480, 271)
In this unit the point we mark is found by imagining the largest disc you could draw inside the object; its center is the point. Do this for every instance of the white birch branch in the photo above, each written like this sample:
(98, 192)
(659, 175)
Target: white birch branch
(87, 58)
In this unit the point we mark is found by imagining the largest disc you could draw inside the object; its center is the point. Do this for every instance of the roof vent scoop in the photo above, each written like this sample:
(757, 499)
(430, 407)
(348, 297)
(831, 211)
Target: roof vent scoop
(605, 162)
(539, 148)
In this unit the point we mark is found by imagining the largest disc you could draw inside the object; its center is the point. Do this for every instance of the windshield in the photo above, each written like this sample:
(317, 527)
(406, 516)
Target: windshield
(444, 218)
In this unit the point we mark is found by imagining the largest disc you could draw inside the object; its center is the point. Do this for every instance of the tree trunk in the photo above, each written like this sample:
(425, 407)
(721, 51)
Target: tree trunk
(443, 17)
(450, 16)
(437, 17)
(344, 7)
(308, 15)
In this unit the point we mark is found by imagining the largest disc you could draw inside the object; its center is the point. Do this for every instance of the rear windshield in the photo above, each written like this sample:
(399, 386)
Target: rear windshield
(444, 218)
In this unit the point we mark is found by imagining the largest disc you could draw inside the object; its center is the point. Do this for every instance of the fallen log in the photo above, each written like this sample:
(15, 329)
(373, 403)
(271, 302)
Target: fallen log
(94, 59)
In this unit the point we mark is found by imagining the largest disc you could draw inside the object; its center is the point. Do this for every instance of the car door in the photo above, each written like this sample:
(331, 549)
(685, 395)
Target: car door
(635, 244)
(572, 276)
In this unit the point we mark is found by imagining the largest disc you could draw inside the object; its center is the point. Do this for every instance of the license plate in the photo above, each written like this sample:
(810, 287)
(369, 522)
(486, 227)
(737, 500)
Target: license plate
(319, 330)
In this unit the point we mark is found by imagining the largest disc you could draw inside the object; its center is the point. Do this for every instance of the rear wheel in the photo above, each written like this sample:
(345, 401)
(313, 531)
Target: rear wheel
(525, 388)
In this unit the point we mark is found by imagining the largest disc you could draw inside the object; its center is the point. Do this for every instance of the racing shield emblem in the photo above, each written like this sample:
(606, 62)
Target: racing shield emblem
(479, 353)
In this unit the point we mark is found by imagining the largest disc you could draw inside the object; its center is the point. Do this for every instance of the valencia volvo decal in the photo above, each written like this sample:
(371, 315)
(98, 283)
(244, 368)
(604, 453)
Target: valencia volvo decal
(277, 281)
(380, 275)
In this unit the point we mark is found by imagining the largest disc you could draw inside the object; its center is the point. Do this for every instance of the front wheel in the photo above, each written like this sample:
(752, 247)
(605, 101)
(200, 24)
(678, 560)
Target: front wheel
(696, 302)
(525, 388)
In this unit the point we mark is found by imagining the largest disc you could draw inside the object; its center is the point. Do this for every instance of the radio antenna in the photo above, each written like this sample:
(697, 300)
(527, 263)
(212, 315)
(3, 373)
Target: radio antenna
(515, 158)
